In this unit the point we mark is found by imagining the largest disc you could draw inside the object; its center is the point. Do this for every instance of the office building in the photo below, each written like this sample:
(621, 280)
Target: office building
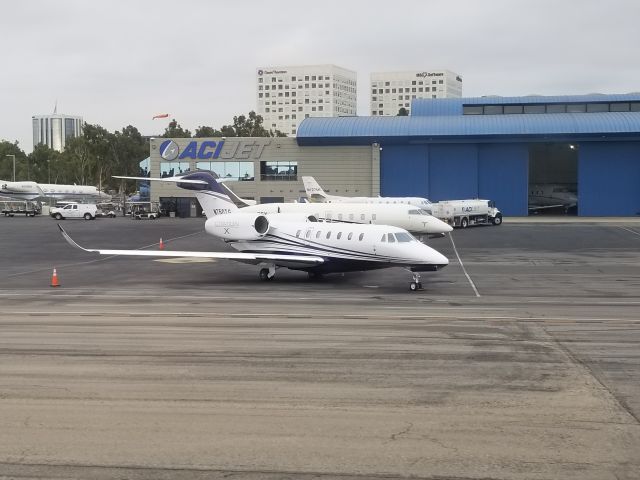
(287, 95)
(391, 91)
(55, 130)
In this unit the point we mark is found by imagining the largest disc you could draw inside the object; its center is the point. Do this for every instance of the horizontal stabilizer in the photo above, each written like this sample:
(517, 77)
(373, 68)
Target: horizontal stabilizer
(167, 180)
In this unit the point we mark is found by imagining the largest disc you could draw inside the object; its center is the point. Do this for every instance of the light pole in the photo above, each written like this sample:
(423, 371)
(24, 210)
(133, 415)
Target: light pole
(14, 166)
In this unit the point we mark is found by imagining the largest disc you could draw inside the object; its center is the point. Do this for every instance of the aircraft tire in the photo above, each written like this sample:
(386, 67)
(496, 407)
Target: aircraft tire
(264, 274)
(413, 286)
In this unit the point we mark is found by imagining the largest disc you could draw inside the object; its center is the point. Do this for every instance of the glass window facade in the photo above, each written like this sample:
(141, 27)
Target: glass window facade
(241, 171)
(279, 170)
(144, 168)
(171, 169)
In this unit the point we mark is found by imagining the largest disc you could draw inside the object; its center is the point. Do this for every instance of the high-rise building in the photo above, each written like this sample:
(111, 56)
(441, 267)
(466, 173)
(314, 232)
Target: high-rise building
(55, 130)
(287, 95)
(391, 91)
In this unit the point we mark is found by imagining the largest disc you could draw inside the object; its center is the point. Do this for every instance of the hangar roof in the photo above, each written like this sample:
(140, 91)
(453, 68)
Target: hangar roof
(442, 120)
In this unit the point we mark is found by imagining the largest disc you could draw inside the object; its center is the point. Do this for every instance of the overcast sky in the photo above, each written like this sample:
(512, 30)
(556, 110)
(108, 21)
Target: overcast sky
(120, 62)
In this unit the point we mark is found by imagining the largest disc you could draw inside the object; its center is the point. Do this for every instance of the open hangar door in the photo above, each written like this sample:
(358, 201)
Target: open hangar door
(553, 178)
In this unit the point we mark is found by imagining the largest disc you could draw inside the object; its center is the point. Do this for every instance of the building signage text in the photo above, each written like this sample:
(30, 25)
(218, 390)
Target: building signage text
(271, 72)
(429, 74)
(210, 149)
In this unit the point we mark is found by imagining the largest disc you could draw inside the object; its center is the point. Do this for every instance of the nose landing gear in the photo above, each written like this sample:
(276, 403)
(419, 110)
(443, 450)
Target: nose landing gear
(416, 284)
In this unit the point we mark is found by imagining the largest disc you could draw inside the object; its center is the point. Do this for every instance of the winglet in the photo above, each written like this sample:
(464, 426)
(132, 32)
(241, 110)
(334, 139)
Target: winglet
(70, 240)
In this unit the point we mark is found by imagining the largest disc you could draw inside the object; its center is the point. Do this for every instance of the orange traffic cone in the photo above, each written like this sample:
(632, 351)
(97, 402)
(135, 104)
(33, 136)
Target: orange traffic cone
(161, 245)
(54, 279)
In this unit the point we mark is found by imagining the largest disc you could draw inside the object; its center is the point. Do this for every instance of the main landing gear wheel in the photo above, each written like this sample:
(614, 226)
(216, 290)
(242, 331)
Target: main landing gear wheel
(267, 273)
(264, 275)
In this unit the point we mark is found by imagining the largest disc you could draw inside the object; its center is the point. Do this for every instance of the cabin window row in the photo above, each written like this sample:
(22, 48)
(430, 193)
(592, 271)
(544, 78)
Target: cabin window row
(318, 235)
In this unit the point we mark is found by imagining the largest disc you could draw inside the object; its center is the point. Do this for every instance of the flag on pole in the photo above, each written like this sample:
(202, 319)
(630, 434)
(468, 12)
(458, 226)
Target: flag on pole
(162, 115)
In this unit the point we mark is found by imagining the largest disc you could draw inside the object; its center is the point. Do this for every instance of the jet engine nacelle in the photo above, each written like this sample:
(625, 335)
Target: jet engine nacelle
(238, 226)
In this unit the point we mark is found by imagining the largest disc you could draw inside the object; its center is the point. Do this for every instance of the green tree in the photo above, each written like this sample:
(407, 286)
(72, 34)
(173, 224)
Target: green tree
(207, 132)
(77, 162)
(129, 148)
(43, 162)
(6, 163)
(174, 130)
(403, 112)
(250, 126)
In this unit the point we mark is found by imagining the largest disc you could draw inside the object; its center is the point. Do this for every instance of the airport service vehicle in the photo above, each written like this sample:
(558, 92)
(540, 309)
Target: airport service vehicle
(144, 215)
(13, 208)
(31, 191)
(458, 213)
(87, 211)
(294, 241)
(462, 213)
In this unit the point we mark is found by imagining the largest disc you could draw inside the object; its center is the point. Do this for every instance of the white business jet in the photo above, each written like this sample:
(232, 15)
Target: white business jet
(281, 240)
(413, 219)
(552, 196)
(28, 190)
(315, 193)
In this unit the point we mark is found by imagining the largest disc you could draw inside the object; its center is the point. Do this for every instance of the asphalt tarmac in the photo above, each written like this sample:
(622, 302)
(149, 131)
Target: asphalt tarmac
(519, 360)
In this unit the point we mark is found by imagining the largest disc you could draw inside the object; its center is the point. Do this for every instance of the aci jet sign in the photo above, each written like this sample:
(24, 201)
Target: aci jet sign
(209, 149)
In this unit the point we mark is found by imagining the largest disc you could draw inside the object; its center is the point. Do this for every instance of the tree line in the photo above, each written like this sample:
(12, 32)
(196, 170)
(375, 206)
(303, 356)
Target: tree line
(97, 154)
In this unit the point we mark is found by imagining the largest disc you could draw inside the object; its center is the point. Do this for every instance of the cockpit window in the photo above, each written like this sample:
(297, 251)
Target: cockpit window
(392, 239)
(404, 237)
(384, 238)
(415, 212)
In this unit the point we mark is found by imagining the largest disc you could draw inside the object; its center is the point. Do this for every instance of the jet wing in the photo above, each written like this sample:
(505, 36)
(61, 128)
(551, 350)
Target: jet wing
(547, 207)
(254, 258)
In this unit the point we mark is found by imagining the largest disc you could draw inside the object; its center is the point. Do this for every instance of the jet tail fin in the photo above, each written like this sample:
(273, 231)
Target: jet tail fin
(212, 197)
(314, 190)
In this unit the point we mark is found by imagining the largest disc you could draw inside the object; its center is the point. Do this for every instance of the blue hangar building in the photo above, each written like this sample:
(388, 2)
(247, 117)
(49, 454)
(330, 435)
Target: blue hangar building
(501, 148)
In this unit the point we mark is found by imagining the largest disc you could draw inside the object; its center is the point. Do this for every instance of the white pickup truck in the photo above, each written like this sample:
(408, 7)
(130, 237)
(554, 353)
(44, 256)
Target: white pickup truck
(75, 210)
(462, 213)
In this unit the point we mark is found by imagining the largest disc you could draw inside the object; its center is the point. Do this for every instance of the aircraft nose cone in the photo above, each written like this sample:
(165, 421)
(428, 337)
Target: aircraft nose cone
(436, 225)
(442, 260)
(433, 257)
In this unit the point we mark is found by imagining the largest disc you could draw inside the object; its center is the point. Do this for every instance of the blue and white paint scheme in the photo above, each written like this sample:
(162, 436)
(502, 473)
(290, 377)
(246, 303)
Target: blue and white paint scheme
(295, 241)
